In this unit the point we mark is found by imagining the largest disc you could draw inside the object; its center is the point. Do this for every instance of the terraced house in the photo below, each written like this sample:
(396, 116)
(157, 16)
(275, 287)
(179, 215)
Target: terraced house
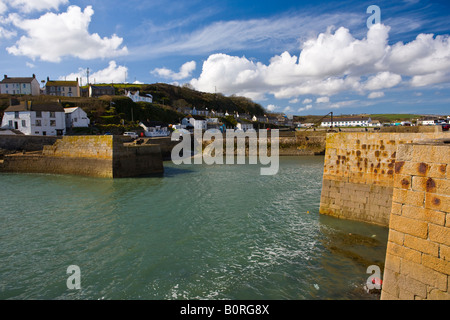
(62, 88)
(39, 119)
(26, 86)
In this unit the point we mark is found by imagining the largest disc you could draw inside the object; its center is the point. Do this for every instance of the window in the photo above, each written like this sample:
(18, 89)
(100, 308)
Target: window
(24, 85)
(24, 123)
(38, 123)
(6, 86)
(52, 123)
(38, 114)
(10, 123)
(16, 114)
(52, 114)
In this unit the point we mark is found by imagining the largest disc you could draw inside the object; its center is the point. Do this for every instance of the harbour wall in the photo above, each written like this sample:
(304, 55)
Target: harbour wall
(359, 171)
(417, 262)
(25, 143)
(97, 156)
(400, 180)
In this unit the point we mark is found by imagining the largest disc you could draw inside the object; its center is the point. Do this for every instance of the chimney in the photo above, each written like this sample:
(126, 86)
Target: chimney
(48, 79)
(6, 76)
(34, 76)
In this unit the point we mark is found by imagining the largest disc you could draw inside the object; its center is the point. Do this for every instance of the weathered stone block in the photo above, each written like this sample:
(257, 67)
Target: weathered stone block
(436, 264)
(403, 252)
(409, 226)
(428, 215)
(424, 274)
(421, 245)
(437, 202)
(410, 197)
(439, 234)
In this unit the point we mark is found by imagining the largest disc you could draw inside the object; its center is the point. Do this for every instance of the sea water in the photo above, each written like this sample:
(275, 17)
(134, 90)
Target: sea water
(196, 232)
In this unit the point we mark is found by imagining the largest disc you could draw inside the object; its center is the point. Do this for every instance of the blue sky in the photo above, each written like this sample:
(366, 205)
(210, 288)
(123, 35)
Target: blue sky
(296, 57)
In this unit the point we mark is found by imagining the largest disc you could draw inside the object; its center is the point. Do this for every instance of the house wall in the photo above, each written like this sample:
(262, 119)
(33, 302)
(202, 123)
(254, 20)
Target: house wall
(16, 88)
(23, 115)
(81, 116)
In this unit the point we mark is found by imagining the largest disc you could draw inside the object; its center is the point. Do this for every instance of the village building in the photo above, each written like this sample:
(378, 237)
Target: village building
(25, 86)
(98, 91)
(62, 88)
(155, 129)
(138, 97)
(348, 122)
(197, 122)
(40, 119)
(76, 118)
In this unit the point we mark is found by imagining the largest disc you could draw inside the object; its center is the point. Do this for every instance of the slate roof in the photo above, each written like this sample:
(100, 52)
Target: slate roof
(18, 80)
(47, 106)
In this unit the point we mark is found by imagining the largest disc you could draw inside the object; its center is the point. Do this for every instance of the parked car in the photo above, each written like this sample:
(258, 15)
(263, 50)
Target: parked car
(445, 127)
(133, 135)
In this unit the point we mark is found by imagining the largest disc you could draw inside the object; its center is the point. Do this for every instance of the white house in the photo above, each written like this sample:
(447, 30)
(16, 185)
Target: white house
(348, 122)
(204, 113)
(40, 119)
(427, 122)
(26, 86)
(155, 129)
(196, 122)
(375, 123)
(76, 118)
(244, 126)
(137, 97)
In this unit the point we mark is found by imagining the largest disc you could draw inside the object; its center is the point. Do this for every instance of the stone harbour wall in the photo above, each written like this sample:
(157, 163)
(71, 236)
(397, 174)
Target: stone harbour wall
(96, 156)
(418, 253)
(359, 173)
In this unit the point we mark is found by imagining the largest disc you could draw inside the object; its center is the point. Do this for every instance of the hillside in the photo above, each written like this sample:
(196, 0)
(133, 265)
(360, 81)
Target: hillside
(185, 97)
(118, 113)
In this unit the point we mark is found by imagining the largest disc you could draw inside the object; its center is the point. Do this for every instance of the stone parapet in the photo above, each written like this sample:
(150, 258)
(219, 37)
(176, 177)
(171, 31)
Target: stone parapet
(359, 170)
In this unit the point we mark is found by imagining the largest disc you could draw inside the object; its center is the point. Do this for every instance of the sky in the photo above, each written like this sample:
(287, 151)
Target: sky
(293, 57)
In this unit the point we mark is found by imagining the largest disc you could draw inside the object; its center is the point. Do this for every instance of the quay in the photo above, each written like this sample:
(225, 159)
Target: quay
(94, 156)
(399, 180)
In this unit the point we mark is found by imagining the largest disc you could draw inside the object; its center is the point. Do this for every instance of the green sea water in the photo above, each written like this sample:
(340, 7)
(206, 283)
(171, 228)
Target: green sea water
(197, 232)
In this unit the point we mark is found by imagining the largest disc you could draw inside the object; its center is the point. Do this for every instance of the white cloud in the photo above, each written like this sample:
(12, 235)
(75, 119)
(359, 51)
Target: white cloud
(36, 5)
(308, 107)
(30, 65)
(323, 100)
(185, 71)
(54, 36)
(382, 80)
(332, 63)
(288, 109)
(375, 95)
(4, 33)
(294, 100)
(271, 107)
(307, 101)
(112, 74)
(3, 7)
